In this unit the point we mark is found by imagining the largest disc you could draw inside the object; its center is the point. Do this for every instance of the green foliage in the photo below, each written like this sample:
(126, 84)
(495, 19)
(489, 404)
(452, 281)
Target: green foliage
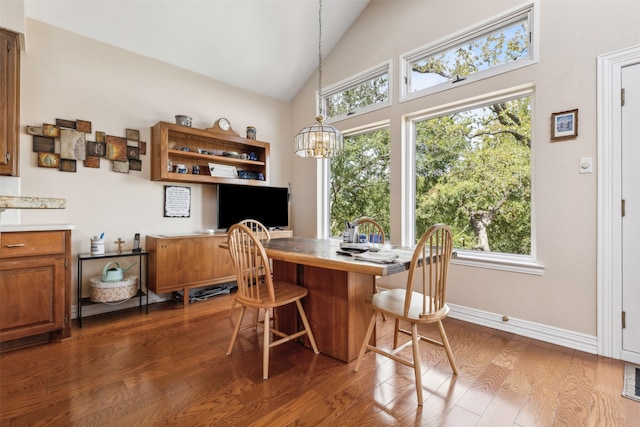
(486, 190)
(502, 47)
(360, 181)
(367, 93)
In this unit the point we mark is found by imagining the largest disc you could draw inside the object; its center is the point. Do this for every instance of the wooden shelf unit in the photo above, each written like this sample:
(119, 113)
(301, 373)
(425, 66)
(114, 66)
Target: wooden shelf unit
(164, 134)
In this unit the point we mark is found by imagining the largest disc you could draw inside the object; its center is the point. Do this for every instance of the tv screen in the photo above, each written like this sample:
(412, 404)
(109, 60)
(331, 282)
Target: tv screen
(269, 205)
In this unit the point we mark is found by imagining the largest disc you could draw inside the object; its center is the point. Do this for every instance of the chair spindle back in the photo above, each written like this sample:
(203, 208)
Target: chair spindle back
(431, 257)
(253, 271)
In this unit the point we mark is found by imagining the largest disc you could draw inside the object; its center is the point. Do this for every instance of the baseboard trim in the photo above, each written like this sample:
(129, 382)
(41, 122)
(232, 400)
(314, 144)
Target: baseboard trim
(546, 333)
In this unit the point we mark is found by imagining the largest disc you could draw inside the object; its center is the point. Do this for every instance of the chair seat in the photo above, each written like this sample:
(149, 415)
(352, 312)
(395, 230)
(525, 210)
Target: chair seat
(285, 293)
(391, 302)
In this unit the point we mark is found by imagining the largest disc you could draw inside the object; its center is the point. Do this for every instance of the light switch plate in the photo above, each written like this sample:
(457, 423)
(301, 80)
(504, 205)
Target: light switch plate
(585, 165)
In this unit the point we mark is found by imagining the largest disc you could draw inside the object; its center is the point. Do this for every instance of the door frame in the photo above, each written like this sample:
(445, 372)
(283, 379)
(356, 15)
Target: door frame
(609, 237)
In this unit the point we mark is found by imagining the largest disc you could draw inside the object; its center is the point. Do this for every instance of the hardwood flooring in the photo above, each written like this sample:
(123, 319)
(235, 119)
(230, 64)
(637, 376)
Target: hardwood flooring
(169, 368)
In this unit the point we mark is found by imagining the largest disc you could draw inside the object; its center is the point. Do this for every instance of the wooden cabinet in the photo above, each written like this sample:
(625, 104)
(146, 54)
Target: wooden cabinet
(173, 144)
(9, 103)
(35, 277)
(178, 263)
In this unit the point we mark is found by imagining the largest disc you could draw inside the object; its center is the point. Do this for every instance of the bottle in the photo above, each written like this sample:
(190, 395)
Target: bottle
(347, 234)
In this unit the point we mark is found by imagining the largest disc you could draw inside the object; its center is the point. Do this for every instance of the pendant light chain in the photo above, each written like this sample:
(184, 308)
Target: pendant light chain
(320, 109)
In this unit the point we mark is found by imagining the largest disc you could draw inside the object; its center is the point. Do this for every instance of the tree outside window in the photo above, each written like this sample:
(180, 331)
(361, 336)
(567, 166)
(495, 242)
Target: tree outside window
(360, 181)
(473, 172)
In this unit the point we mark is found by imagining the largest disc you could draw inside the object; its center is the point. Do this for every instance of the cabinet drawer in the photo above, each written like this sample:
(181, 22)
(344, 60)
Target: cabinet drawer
(20, 244)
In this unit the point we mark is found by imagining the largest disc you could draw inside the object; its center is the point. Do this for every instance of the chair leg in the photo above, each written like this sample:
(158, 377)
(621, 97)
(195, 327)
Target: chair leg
(266, 346)
(396, 330)
(417, 366)
(367, 337)
(307, 327)
(447, 347)
(258, 317)
(236, 329)
(233, 306)
(384, 318)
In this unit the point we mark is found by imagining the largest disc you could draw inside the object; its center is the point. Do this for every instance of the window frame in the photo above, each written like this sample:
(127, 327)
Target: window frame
(528, 264)
(469, 34)
(353, 81)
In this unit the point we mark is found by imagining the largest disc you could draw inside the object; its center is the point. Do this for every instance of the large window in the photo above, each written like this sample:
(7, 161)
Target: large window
(473, 172)
(360, 180)
(493, 47)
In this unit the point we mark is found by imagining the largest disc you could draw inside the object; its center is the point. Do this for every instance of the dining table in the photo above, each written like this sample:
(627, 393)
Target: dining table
(338, 286)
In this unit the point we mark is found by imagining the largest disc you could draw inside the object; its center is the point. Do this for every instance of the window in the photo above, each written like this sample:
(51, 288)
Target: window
(491, 48)
(473, 172)
(363, 93)
(359, 184)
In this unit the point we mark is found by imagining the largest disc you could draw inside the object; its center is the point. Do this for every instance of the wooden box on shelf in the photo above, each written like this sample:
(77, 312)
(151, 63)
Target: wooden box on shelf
(173, 144)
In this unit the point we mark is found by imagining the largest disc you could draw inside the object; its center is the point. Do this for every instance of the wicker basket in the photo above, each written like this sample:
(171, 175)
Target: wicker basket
(113, 291)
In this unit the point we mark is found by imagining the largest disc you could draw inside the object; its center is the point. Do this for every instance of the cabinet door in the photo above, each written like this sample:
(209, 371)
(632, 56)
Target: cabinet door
(222, 260)
(182, 262)
(9, 102)
(32, 297)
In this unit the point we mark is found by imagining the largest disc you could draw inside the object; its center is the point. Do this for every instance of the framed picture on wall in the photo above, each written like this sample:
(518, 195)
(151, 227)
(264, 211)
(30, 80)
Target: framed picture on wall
(177, 201)
(564, 125)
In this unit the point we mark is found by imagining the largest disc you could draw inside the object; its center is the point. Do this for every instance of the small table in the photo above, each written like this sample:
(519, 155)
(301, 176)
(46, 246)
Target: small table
(109, 255)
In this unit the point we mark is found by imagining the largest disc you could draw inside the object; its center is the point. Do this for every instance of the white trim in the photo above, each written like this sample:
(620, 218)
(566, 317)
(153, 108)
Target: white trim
(499, 261)
(609, 262)
(538, 331)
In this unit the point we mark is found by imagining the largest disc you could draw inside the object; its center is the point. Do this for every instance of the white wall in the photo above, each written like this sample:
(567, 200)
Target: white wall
(572, 34)
(67, 76)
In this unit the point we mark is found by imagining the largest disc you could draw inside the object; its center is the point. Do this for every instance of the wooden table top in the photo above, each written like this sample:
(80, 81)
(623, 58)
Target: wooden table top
(322, 253)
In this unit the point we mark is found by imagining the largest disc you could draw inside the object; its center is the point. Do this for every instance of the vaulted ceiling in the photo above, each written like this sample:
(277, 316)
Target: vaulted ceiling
(265, 46)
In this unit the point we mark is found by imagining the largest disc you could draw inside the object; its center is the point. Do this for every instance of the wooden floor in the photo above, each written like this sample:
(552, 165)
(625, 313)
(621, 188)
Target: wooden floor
(169, 368)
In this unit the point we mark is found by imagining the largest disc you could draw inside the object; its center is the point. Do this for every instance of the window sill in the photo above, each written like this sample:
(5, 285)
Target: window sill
(505, 262)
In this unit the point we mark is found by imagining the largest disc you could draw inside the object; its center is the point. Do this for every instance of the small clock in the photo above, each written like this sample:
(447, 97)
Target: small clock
(224, 124)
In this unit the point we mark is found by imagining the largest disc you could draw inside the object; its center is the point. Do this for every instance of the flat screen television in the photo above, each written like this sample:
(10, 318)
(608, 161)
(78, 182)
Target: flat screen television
(269, 205)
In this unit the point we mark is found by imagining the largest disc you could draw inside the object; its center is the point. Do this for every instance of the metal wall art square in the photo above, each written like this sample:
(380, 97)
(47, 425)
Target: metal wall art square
(117, 148)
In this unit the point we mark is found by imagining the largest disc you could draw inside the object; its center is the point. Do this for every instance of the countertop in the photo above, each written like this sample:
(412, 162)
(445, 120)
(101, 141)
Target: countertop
(19, 202)
(36, 227)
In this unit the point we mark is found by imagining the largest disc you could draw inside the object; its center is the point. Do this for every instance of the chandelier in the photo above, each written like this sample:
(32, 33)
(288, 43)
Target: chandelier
(319, 140)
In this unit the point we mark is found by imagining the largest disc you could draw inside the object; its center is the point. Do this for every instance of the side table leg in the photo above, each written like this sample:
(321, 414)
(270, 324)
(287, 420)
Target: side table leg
(79, 306)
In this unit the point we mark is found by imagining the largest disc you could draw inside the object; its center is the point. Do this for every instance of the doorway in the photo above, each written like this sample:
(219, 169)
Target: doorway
(611, 181)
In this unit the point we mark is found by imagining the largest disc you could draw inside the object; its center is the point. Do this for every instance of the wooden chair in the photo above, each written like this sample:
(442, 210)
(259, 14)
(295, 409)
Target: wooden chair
(262, 232)
(258, 228)
(375, 234)
(429, 267)
(371, 228)
(257, 289)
